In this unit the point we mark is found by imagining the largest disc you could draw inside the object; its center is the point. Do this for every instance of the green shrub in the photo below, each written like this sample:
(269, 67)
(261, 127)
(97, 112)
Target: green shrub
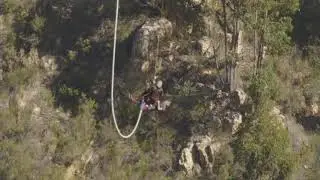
(72, 55)
(187, 88)
(264, 148)
(223, 163)
(38, 24)
(265, 85)
(84, 45)
(20, 76)
(68, 91)
(80, 130)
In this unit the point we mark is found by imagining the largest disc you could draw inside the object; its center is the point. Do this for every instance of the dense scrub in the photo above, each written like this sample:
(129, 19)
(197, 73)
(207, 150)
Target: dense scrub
(55, 120)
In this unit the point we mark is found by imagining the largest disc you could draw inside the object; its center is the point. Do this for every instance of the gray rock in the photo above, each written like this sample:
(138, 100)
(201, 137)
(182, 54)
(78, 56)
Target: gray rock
(199, 154)
(233, 121)
(240, 97)
(150, 32)
(206, 46)
(49, 63)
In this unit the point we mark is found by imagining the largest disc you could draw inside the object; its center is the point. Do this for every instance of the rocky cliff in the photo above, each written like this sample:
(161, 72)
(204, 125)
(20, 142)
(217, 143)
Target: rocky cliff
(57, 94)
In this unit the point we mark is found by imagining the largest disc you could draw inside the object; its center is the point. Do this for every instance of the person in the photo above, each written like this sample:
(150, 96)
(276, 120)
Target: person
(150, 99)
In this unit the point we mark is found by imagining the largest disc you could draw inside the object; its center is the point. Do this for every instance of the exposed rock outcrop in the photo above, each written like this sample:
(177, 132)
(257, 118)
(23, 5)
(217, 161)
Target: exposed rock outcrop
(240, 96)
(147, 36)
(225, 108)
(49, 64)
(279, 116)
(233, 121)
(206, 46)
(314, 109)
(202, 3)
(199, 154)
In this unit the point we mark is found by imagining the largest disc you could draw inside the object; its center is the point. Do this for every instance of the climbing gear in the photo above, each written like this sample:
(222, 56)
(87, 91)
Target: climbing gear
(112, 81)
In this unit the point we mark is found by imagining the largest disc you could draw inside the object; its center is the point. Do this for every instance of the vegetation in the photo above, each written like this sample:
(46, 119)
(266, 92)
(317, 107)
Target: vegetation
(55, 121)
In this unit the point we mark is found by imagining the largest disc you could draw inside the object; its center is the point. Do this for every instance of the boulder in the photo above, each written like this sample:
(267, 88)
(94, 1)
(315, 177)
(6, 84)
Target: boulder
(186, 159)
(209, 25)
(279, 117)
(49, 63)
(199, 154)
(314, 109)
(226, 109)
(145, 66)
(32, 59)
(240, 97)
(197, 2)
(203, 3)
(147, 36)
(232, 121)
(206, 46)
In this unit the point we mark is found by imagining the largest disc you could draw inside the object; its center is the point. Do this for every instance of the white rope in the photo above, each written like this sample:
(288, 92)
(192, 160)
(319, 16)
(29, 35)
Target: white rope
(112, 81)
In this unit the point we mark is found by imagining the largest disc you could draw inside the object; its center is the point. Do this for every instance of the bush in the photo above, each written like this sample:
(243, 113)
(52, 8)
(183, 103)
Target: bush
(265, 85)
(84, 45)
(186, 89)
(263, 147)
(20, 77)
(37, 24)
(79, 131)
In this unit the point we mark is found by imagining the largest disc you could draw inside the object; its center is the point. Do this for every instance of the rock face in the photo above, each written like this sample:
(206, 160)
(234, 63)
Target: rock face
(280, 117)
(314, 109)
(49, 64)
(210, 27)
(233, 121)
(199, 154)
(240, 45)
(148, 35)
(225, 109)
(203, 3)
(240, 96)
(206, 46)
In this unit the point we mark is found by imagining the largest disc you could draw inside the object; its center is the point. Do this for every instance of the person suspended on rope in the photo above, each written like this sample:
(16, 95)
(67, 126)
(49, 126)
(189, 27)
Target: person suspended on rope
(151, 98)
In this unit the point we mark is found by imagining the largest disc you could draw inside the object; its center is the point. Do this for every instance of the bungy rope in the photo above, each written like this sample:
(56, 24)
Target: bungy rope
(112, 81)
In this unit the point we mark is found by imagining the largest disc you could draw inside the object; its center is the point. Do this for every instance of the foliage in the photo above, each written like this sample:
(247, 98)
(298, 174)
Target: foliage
(271, 19)
(223, 164)
(80, 130)
(72, 55)
(38, 24)
(83, 45)
(200, 111)
(69, 28)
(264, 85)
(313, 161)
(67, 91)
(264, 147)
(187, 88)
(20, 76)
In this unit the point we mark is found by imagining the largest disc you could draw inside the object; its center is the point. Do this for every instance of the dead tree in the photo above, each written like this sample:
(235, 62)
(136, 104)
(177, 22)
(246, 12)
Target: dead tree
(224, 6)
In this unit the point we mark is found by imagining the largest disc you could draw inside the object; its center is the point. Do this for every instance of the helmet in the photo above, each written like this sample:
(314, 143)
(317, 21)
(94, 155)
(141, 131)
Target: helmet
(159, 84)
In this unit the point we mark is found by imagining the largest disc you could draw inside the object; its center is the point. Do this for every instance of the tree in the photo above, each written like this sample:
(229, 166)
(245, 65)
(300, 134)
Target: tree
(270, 20)
(263, 147)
